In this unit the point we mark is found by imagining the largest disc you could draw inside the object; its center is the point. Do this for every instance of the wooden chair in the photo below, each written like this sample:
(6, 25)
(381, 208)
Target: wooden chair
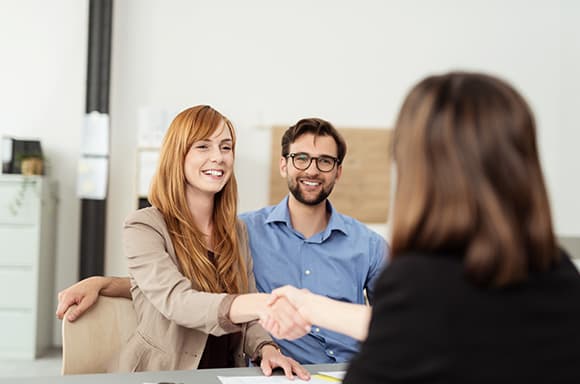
(90, 342)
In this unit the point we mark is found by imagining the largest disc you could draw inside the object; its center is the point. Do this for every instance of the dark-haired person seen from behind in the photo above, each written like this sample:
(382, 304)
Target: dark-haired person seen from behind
(302, 241)
(477, 290)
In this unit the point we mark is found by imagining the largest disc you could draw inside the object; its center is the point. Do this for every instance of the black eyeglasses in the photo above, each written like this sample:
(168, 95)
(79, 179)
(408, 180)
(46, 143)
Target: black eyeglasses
(302, 161)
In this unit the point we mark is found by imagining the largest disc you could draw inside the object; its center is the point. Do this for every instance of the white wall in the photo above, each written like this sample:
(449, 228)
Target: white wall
(42, 94)
(265, 62)
(566, 190)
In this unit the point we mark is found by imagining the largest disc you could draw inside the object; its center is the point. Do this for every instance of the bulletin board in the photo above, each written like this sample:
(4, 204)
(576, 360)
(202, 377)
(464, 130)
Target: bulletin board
(363, 191)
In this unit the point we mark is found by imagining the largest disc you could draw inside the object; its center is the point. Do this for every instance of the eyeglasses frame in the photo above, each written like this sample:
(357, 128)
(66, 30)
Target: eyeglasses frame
(292, 155)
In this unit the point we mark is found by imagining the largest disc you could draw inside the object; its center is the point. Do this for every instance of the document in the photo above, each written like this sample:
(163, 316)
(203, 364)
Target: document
(339, 375)
(259, 380)
(321, 378)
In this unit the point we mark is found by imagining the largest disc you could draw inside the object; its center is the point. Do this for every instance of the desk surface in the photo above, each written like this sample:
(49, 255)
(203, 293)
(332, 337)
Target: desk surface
(200, 376)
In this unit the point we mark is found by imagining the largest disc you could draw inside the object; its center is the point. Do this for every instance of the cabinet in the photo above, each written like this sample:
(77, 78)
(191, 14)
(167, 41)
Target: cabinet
(27, 243)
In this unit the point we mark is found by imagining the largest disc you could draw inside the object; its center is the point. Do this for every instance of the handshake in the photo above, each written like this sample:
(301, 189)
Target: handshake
(288, 313)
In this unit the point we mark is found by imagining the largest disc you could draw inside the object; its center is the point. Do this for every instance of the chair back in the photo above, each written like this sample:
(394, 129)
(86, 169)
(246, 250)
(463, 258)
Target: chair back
(89, 343)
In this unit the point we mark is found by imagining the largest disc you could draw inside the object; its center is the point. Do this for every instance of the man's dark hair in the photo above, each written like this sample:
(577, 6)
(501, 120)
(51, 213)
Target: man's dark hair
(317, 127)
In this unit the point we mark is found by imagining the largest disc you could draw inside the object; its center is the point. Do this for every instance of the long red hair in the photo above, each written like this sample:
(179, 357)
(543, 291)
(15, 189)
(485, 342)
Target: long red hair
(228, 271)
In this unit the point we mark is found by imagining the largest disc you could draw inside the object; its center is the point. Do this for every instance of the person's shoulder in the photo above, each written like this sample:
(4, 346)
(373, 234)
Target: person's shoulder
(149, 215)
(359, 228)
(417, 265)
(563, 272)
(566, 263)
(258, 215)
(422, 274)
(241, 226)
(438, 259)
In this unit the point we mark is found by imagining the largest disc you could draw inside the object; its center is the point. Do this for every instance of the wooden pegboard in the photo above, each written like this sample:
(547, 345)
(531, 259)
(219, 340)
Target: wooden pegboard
(364, 188)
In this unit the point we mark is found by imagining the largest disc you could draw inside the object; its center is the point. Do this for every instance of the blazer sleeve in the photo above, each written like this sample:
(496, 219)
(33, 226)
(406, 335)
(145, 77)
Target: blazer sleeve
(158, 277)
(255, 336)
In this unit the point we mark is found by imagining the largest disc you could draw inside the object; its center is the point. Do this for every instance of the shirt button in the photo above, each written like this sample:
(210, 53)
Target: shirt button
(317, 329)
(331, 352)
(307, 272)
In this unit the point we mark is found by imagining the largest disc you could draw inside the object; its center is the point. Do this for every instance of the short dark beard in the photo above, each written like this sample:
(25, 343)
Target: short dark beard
(295, 191)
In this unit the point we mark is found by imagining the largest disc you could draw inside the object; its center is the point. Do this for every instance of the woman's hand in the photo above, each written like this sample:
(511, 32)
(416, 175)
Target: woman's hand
(283, 321)
(289, 316)
(297, 297)
(347, 318)
(273, 358)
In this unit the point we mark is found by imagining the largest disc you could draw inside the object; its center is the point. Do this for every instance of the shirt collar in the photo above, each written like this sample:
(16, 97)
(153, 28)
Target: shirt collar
(336, 222)
(280, 213)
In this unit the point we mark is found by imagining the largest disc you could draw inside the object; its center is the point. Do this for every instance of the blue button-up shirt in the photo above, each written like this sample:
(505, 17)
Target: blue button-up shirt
(339, 262)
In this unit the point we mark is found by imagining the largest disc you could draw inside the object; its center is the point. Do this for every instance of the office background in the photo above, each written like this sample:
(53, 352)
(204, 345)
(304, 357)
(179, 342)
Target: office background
(265, 63)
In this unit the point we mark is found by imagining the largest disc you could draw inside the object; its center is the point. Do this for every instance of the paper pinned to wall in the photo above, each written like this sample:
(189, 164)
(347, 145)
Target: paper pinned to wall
(92, 178)
(152, 124)
(147, 166)
(95, 134)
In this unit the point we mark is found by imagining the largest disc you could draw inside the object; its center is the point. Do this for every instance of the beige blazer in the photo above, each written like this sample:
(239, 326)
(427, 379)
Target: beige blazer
(173, 318)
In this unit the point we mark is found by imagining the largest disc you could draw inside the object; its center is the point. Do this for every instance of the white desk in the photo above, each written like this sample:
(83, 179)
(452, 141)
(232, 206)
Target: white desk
(201, 376)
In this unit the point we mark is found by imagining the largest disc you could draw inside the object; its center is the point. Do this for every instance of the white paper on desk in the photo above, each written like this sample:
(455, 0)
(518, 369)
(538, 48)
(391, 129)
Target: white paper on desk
(336, 374)
(267, 380)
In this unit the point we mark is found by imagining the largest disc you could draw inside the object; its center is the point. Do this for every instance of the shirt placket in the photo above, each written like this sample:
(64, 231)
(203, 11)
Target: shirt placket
(308, 272)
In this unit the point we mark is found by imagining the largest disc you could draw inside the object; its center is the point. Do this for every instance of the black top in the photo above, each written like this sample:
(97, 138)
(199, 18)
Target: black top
(219, 350)
(431, 325)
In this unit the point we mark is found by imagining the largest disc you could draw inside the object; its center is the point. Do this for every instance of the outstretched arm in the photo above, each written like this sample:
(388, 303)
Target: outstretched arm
(346, 318)
(86, 292)
(253, 306)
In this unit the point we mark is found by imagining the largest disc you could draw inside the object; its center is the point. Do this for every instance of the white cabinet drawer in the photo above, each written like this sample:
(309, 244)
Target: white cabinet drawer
(16, 334)
(17, 287)
(18, 245)
(19, 201)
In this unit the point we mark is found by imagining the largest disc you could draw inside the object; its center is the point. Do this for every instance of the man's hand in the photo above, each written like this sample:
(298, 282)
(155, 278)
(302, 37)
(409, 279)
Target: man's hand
(82, 294)
(272, 358)
(85, 294)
